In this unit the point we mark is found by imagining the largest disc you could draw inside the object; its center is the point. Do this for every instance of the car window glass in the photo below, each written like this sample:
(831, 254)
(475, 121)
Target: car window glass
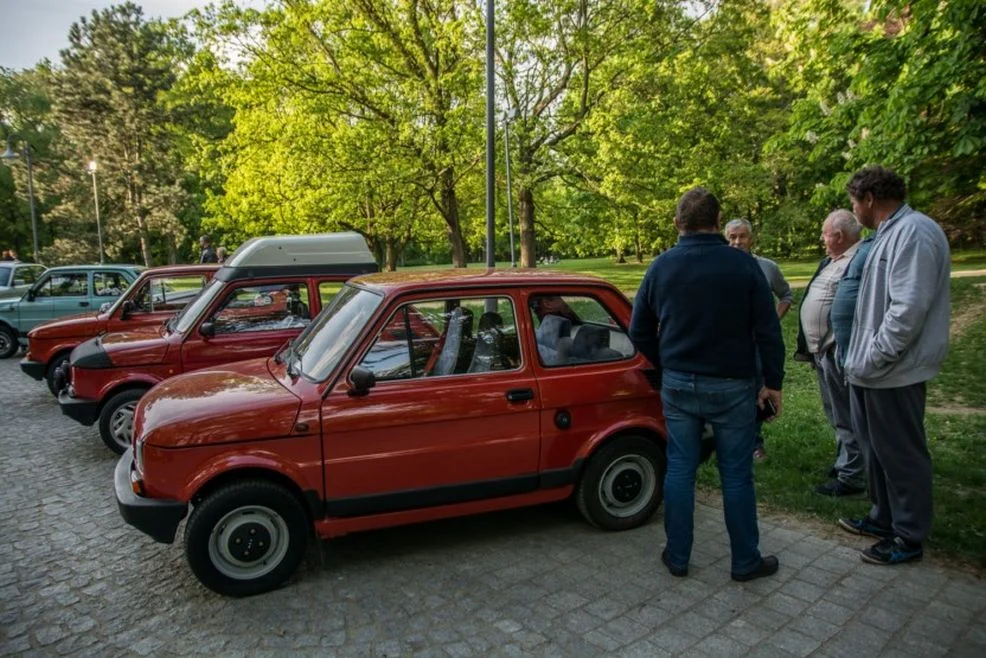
(268, 307)
(575, 330)
(28, 274)
(324, 342)
(446, 337)
(327, 290)
(64, 284)
(109, 284)
(168, 293)
(5, 276)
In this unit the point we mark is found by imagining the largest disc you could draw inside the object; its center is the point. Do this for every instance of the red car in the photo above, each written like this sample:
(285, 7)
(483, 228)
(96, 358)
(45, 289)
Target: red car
(412, 397)
(158, 294)
(262, 297)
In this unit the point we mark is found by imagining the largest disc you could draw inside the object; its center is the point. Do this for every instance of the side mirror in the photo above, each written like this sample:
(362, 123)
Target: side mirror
(361, 380)
(127, 308)
(207, 329)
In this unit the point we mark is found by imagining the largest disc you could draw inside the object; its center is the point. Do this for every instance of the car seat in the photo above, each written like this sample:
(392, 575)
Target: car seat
(591, 343)
(488, 354)
(553, 337)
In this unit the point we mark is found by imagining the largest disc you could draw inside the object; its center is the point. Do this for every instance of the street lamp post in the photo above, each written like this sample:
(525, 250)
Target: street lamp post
(95, 198)
(510, 199)
(11, 154)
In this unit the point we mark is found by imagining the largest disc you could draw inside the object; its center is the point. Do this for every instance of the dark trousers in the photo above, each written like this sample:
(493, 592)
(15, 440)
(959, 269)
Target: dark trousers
(889, 425)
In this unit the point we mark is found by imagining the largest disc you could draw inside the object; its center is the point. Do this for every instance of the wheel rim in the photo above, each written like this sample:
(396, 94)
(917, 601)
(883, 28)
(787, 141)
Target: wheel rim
(249, 542)
(122, 424)
(627, 486)
(4, 342)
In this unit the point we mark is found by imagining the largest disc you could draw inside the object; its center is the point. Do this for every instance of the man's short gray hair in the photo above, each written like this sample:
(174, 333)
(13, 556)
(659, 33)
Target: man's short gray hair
(736, 223)
(843, 220)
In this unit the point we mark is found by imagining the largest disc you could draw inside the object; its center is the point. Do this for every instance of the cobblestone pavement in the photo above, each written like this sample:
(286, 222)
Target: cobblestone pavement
(75, 580)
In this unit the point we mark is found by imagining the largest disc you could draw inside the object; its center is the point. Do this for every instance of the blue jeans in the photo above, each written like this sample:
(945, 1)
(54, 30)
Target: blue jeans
(729, 405)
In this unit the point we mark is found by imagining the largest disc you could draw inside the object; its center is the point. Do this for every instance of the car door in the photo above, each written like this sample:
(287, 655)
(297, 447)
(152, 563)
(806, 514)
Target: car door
(449, 420)
(107, 286)
(58, 293)
(249, 320)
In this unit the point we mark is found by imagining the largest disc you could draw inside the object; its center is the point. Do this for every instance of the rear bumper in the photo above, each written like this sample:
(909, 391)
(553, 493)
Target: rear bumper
(158, 518)
(81, 410)
(34, 369)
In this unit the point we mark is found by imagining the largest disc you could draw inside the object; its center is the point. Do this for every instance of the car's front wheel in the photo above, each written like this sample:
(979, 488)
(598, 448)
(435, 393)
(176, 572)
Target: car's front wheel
(52, 378)
(8, 342)
(623, 484)
(246, 538)
(116, 420)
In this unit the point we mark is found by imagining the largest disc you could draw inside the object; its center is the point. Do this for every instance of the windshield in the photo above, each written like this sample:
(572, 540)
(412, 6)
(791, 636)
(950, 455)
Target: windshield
(325, 341)
(190, 314)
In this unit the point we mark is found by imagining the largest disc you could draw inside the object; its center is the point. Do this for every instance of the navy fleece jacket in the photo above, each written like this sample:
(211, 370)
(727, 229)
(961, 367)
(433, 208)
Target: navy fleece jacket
(705, 308)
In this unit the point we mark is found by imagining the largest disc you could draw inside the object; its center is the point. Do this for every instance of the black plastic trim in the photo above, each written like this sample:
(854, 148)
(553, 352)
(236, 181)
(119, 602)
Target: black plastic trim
(34, 369)
(156, 517)
(81, 410)
(91, 355)
(562, 477)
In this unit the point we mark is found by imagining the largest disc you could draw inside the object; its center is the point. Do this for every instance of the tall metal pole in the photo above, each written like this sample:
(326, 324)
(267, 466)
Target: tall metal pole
(95, 197)
(510, 198)
(30, 197)
(490, 134)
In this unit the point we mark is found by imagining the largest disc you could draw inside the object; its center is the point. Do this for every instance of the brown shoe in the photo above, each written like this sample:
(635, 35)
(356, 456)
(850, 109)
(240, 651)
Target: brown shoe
(768, 567)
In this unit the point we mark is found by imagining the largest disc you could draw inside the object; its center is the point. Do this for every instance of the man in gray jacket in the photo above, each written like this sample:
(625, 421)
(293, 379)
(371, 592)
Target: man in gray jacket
(899, 340)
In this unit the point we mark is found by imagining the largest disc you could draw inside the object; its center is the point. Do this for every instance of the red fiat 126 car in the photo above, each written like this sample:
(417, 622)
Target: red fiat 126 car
(154, 297)
(262, 297)
(412, 397)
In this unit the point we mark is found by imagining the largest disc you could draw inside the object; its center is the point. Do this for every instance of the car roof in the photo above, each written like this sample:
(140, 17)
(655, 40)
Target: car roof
(108, 266)
(188, 268)
(410, 281)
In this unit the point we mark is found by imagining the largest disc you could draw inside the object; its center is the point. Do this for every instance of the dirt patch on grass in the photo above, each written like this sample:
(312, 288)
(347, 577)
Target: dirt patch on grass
(958, 409)
(972, 311)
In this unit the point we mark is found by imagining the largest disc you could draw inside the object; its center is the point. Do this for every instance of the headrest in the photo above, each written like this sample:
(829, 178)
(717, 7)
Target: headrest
(552, 328)
(490, 320)
(589, 339)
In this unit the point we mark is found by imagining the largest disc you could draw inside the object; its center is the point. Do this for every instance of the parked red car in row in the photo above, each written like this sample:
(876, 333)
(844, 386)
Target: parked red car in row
(412, 397)
(262, 297)
(154, 297)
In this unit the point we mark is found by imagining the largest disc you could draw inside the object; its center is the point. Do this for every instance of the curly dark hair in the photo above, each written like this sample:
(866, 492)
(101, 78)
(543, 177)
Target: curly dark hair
(882, 183)
(698, 209)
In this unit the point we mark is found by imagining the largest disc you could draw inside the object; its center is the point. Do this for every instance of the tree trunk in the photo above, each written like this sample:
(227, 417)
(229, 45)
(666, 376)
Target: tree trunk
(390, 255)
(450, 209)
(525, 223)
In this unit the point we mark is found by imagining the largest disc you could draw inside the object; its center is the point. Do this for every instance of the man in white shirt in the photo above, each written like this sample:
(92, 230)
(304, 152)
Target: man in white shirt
(840, 234)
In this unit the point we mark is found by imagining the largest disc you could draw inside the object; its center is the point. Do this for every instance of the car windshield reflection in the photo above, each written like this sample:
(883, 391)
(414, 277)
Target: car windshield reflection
(325, 341)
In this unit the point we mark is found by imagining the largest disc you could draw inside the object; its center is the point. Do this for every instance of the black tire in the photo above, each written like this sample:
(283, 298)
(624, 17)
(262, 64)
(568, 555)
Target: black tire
(116, 420)
(53, 367)
(257, 516)
(623, 484)
(8, 342)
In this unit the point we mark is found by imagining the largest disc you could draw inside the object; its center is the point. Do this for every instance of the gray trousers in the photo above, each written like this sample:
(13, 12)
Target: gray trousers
(850, 467)
(889, 424)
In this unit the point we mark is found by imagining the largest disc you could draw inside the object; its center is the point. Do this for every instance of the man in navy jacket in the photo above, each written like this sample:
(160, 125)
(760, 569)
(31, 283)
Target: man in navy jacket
(703, 315)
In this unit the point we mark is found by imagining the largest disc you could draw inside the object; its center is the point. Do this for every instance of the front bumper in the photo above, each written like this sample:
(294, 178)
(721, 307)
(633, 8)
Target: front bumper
(35, 369)
(156, 517)
(81, 410)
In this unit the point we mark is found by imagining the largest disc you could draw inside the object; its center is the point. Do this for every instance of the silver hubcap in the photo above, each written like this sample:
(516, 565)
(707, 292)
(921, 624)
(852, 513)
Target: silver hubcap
(249, 542)
(627, 486)
(122, 424)
(4, 341)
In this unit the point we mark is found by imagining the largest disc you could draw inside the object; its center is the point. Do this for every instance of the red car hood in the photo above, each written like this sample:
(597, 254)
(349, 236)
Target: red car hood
(138, 346)
(218, 405)
(71, 326)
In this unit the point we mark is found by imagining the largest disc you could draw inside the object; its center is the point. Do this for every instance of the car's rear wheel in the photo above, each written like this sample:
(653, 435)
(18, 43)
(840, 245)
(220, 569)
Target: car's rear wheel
(246, 538)
(623, 484)
(8, 342)
(116, 420)
(55, 382)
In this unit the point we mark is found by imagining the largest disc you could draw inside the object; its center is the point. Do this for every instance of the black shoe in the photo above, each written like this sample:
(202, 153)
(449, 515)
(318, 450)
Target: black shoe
(768, 567)
(677, 572)
(832, 473)
(893, 550)
(865, 526)
(838, 488)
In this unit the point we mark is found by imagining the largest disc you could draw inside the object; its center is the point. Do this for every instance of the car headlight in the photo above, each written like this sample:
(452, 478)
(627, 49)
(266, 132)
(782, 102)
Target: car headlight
(139, 454)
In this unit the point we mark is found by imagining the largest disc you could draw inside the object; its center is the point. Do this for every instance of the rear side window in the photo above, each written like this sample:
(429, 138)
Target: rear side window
(168, 293)
(269, 307)
(109, 284)
(446, 337)
(575, 330)
(327, 290)
(64, 284)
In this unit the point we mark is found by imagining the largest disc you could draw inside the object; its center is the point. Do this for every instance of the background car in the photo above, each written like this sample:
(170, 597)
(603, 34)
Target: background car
(58, 292)
(17, 277)
(158, 293)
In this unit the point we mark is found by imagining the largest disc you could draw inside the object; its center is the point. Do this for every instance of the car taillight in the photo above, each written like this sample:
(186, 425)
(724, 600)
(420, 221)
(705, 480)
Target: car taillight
(136, 483)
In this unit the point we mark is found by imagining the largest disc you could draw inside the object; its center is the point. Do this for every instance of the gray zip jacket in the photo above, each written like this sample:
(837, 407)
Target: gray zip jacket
(900, 331)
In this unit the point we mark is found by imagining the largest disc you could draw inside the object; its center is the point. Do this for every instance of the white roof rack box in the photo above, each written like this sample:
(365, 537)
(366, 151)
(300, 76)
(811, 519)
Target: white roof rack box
(317, 249)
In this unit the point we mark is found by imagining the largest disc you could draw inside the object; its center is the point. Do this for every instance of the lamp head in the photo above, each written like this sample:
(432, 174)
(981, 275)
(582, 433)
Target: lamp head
(92, 166)
(10, 153)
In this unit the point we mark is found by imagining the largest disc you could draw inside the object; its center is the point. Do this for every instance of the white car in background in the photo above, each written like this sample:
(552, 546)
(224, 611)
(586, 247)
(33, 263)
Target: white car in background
(16, 277)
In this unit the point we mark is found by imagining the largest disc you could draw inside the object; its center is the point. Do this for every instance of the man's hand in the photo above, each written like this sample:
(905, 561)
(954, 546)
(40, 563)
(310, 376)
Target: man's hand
(772, 395)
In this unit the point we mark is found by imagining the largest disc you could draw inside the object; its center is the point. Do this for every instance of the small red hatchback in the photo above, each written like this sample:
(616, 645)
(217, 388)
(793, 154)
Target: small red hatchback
(412, 397)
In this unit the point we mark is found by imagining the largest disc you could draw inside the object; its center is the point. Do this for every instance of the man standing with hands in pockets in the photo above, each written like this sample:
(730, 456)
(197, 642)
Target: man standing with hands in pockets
(703, 315)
